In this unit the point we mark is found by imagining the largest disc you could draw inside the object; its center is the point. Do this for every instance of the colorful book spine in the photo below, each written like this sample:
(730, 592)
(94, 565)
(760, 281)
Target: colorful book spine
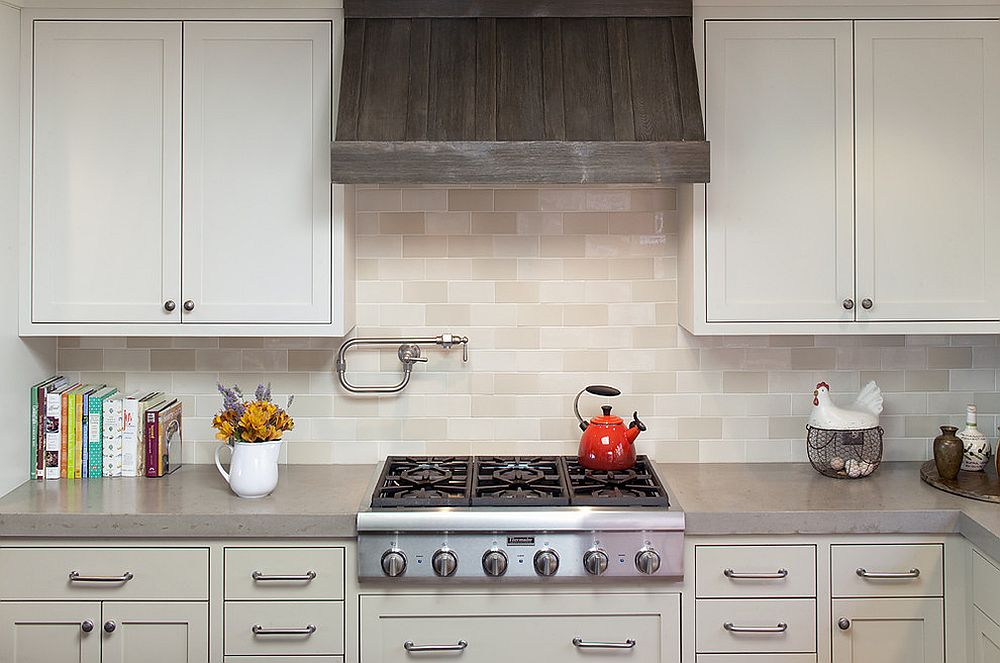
(64, 436)
(95, 431)
(77, 435)
(151, 436)
(34, 473)
(130, 436)
(85, 437)
(53, 436)
(168, 439)
(112, 436)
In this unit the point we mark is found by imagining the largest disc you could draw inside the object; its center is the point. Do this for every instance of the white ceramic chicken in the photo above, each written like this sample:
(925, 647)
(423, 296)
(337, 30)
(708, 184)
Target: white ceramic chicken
(863, 413)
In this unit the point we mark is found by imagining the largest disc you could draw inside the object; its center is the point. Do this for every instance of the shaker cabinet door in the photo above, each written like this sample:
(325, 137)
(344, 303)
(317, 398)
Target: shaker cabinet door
(928, 169)
(105, 171)
(257, 194)
(888, 631)
(780, 207)
(986, 642)
(67, 632)
(154, 632)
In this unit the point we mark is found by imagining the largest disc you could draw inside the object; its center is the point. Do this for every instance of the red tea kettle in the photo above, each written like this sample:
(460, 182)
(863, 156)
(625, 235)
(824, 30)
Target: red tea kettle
(607, 444)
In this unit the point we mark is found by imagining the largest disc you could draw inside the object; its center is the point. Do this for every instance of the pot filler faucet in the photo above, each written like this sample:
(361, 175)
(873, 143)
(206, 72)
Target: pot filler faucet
(408, 353)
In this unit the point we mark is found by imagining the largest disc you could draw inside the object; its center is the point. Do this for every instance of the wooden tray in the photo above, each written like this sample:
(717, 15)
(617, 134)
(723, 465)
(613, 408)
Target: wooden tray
(983, 486)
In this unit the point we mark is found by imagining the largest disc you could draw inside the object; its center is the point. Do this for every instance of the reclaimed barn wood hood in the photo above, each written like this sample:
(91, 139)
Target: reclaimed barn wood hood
(519, 91)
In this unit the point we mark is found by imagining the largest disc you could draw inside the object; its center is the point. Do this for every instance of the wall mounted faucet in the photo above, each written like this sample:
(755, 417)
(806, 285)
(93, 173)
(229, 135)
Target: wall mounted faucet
(408, 353)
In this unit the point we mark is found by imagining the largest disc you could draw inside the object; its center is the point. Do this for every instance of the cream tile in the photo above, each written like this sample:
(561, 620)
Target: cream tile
(424, 200)
(379, 200)
(494, 223)
(172, 360)
(470, 200)
(447, 223)
(515, 200)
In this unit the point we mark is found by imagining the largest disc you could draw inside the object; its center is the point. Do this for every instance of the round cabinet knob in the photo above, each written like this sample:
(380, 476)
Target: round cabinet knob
(595, 562)
(110, 626)
(86, 626)
(189, 305)
(445, 563)
(169, 305)
(647, 561)
(393, 563)
(546, 562)
(867, 303)
(848, 304)
(844, 623)
(495, 563)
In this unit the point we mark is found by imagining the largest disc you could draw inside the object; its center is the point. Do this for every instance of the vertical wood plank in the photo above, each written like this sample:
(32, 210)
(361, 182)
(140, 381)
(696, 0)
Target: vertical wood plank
(621, 84)
(350, 81)
(587, 79)
(486, 79)
(419, 79)
(687, 79)
(382, 112)
(520, 102)
(655, 99)
(553, 110)
(451, 104)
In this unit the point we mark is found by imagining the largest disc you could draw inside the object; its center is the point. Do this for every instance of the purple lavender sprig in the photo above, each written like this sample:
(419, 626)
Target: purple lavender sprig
(263, 393)
(232, 398)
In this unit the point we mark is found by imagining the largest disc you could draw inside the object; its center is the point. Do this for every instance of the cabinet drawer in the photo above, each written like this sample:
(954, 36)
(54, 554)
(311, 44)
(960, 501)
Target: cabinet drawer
(145, 573)
(986, 586)
(285, 573)
(755, 571)
(797, 615)
(756, 658)
(891, 570)
(326, 636)
(283, 659)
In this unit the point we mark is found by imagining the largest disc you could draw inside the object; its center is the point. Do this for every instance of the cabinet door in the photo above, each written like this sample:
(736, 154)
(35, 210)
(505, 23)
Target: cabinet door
(105, 173)
(257, 192)
(780, 207)
(986, 646)
(888, 631)
(155, 632)
(47, 632)
(928, 177)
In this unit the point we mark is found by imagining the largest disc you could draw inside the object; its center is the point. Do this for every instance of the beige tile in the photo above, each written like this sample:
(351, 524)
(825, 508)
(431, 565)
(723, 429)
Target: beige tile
(515, 200)
(379, 246)
(630, 268)
(448, 314)
(425, 200)
(587, 315)
(744, 382)
(653, 200)
(471, 292)
(494, 223)
(172, 360)
(562, 200)
(470, 200)
(791, 341)
(515, 246)
(699, 428)
(616, 200)
(265, 360)
(585, 223)
(311, 360)
(241, 342)
(133, 360)
(218, 360)
(71, 359)
(447, 223)
(786, 428)
(513, 338)
(379, 200)
(426, 246)
(494, 268)
(565, 246)
(149, 342)
(401, 223)
(949, 357)
(472, 246)
(814, 358)
(926, 380)
(68, 342)
(539, 223)
(635, 223)
(539, 314)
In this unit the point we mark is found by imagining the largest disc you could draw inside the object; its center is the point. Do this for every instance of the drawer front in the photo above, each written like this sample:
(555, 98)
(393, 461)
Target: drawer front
(285, 573)
(754, 626)
(283, 659)
(891, 570)
(756, 658)
(481, 629)
(986, 586)
(141, 573)
(326, 636)
(755, 571)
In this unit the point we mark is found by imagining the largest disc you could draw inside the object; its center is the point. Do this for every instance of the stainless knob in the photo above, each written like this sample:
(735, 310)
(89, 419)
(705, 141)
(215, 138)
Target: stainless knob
(844, 623)
(86, 626)
(867, 303)
(110, 626)
(595, 562)
(647, 561)
(445, 562)
(848, 304)
(546, 562)
(393, 563)
(169, 305)
(189, 305)
(495, 563)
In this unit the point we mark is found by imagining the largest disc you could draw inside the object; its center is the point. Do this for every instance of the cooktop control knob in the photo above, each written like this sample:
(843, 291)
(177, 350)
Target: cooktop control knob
(595, 561)
(393, 563)
(445, 562)
(495, 563)
(546, 562)
(647, 561)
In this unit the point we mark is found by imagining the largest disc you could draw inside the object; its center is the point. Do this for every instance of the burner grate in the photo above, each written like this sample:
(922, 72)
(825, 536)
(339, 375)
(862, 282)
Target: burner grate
(424, 481)
(637, 486)
(519, 481)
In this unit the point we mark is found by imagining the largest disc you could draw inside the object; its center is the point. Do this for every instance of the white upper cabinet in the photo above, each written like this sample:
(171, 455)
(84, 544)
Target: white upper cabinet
(106, 174)
(257, 131)
(928, 177)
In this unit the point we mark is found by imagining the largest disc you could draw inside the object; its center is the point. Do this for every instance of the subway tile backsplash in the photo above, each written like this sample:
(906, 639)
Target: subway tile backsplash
(556, 288)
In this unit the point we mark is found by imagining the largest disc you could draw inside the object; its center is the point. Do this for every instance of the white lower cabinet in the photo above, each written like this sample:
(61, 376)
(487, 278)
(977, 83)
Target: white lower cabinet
(764, 626)
(39, 632)
(903, 630)
(986, 638)
(545, 627)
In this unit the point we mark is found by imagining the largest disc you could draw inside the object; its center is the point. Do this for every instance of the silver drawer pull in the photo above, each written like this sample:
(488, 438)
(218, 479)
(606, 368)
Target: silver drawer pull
(582, 644)
(777, 575)
(459, 646)
(780, 628)
(74, 576)
(257, 629)
(263, 577)
(876, 575)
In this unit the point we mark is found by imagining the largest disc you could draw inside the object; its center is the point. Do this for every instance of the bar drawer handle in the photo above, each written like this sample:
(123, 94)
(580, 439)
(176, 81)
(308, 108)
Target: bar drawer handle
(780, 628)
(583, 644)
(778, 575)
(459, 646)
(257, 629)
(912, 573)
(74, 576)
(263, 577)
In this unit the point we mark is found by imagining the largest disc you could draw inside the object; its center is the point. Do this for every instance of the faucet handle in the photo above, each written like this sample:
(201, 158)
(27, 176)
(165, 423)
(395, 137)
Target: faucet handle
(448, 340)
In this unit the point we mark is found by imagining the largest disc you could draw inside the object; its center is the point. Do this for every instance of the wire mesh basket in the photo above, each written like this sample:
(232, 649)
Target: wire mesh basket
(844, 454)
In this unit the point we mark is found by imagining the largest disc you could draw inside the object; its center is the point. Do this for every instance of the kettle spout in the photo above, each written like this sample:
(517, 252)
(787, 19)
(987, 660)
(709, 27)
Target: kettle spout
(634, 428)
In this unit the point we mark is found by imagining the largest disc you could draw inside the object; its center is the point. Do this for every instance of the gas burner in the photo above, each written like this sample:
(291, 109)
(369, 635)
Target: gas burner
(425, 481)
(519, 481)
(425, 474)
(637, 486)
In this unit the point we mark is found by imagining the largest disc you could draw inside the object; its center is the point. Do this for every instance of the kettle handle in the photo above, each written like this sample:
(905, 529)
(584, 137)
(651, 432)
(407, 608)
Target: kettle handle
(596, 390)
(218, 463)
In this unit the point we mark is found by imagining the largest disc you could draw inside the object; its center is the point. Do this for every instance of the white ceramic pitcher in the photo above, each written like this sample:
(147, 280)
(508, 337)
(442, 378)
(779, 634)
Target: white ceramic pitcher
(253, 469)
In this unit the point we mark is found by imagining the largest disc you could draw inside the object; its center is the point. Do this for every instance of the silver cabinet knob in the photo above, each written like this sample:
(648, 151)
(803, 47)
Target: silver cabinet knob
(110, 626)
(867, 303)
(393, 563)
(848, 304)
(844, 623)
(86, 626)
(495, 563)
(445, 563)
(595, 562)
(189, 305)
(647, 561)
(546, 562)
(169, 305)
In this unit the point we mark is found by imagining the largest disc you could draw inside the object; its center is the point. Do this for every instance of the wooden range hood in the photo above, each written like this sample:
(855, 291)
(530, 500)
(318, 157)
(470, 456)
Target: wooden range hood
(519, 91)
